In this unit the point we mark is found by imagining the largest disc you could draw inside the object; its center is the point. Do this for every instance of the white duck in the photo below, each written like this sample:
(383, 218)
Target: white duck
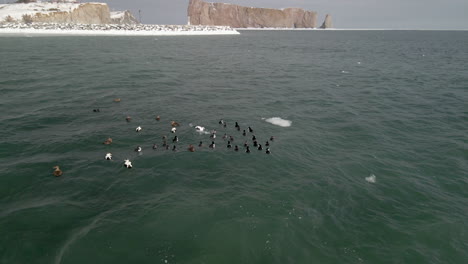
(108, 156)
(200, 129)
(128, 164)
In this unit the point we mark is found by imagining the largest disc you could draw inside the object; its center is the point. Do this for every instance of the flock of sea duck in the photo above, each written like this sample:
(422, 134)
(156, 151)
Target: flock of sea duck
(250, 141)
(229, 139)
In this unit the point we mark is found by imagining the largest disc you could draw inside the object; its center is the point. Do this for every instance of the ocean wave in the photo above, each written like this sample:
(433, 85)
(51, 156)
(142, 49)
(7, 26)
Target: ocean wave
(278, 121)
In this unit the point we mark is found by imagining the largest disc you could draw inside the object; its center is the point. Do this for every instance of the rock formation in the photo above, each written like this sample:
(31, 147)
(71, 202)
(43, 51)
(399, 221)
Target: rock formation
(219, 14)
(88, 13)
(123, 17)
(328, 22)
(45, 12)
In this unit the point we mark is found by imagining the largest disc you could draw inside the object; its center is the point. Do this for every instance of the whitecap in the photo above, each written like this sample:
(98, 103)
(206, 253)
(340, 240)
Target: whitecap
(371, 178)
(278, 121)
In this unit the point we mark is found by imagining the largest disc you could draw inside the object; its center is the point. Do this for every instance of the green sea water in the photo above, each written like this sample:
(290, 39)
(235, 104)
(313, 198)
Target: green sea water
(385, 105)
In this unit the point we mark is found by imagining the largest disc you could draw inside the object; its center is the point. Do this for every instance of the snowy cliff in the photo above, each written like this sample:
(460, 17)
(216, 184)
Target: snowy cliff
(123, 17)
(86, 13)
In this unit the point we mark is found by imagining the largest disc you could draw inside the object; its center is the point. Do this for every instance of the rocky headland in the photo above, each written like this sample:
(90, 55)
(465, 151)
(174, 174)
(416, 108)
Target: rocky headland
(68, 12)
(74, 18)
(221, 14)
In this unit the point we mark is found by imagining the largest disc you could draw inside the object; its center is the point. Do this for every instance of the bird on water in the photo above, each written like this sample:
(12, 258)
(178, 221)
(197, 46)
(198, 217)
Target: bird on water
(57, 171)
(128, 164)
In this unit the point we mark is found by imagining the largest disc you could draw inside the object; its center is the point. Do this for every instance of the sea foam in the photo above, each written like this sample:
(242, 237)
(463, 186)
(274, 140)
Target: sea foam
(371, 178)
(278, 121)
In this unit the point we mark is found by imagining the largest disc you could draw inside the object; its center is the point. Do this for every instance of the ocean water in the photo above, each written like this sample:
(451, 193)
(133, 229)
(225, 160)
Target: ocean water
(369, 163)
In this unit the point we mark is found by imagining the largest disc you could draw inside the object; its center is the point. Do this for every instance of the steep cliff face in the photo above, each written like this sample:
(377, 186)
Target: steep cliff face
(328, 22)
(89, 13)
(47, 12)
(219, 14)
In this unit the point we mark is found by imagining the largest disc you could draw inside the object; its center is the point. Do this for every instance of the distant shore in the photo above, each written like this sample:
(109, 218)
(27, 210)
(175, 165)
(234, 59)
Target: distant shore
(112, 29)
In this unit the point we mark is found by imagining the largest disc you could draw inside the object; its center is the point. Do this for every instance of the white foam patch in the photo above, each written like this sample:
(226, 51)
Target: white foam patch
(278, 121)
(371, 178)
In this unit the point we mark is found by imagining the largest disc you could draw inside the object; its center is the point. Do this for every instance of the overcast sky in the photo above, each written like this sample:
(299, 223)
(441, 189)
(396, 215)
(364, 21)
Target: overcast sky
(398, 14)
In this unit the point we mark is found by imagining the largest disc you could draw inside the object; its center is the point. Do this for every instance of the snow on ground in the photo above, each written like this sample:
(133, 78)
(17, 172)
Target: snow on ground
(111, 29)
(39, 32)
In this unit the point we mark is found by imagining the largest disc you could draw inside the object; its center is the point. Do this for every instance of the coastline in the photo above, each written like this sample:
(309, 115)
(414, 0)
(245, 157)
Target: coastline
(55, 29)
(344, 29)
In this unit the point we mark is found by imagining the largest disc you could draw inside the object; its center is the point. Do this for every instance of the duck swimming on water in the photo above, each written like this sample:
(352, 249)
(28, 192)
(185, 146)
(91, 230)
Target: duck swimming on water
(57, 171)
(108, 156)
(191, 148)
(138, 149)
(138, 129)
(128, 118)
(267, 151)
(175, 139)
(128, 164)
(212, 145)
(173, 130)
(108, 141)
(174, 124)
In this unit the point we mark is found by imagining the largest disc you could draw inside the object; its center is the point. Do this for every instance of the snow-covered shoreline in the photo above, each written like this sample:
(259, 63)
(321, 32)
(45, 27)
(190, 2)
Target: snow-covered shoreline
(57, 29)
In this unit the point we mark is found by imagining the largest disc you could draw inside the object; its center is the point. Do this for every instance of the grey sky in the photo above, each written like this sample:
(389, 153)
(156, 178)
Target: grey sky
(398, 14)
